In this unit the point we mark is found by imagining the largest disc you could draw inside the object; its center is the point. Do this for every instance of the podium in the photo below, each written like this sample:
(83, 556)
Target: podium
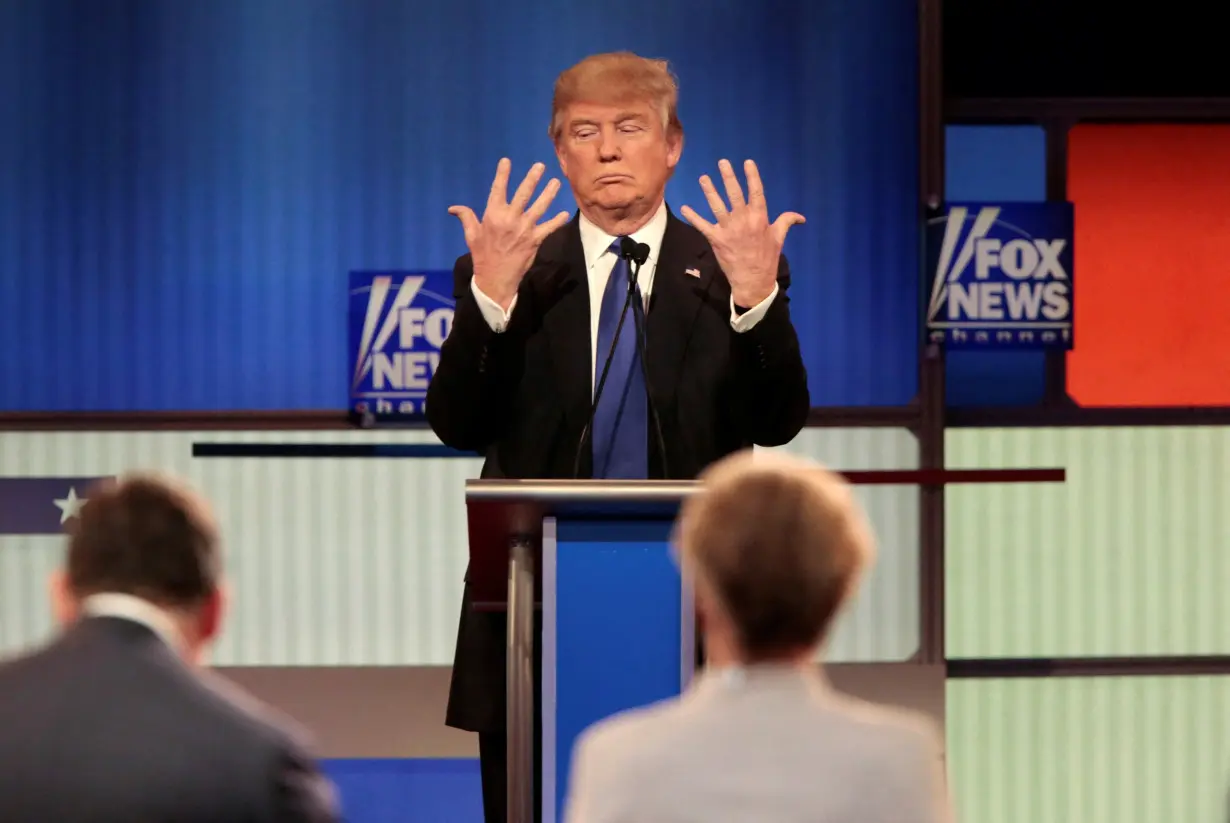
(617, 615)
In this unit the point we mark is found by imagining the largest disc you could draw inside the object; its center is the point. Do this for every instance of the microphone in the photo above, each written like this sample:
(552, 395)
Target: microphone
(633, 252)
(606, 366)
(637, 253)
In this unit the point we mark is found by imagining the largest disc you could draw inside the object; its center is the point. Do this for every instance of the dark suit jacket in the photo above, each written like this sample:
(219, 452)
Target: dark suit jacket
(522, 397)
(108, 725)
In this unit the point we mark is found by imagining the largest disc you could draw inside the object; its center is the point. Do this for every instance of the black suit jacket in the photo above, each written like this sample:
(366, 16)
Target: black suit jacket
(522, 397)
(108, 725)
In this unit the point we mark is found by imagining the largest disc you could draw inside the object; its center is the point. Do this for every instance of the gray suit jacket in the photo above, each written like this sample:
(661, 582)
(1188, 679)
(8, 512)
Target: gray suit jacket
(765, 745)
(107, 725)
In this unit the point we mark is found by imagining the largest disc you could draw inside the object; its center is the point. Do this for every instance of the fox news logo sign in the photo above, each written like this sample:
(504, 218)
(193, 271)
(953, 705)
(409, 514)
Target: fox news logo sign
(1001, 276)
(398, 322)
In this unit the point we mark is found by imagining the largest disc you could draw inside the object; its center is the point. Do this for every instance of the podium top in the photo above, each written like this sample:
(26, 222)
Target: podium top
(500, 512)
(521, 503)
(579, 491)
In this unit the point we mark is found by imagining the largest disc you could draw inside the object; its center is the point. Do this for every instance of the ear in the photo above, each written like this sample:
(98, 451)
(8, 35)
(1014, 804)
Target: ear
(211, 614)
(708, 610)
(562, 158)
(674, 148)
(65, 606)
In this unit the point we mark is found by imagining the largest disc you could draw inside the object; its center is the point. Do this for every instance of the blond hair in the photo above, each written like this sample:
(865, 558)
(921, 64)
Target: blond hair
(780, 543)
(614, 78)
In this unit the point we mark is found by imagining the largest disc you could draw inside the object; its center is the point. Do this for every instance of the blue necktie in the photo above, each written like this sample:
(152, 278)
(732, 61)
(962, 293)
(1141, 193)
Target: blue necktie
(621, 420)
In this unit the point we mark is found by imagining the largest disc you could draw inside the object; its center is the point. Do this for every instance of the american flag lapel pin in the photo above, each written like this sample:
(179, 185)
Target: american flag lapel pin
(692, 272)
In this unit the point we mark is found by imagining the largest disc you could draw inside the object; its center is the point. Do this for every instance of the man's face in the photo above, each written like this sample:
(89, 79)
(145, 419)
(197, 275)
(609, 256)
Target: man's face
(616, 157)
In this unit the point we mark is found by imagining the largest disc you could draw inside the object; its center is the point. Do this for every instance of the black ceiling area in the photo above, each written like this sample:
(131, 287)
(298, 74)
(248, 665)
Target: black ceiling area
(1079, 48)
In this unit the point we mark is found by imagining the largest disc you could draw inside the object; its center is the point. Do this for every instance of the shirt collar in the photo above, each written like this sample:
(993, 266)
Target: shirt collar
(596, 242)
(128, 607)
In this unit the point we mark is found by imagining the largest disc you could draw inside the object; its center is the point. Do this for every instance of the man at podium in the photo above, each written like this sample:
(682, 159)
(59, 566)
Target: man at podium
(619, 343)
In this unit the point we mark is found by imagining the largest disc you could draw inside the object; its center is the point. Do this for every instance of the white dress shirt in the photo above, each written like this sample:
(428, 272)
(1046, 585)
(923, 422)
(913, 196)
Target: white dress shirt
(600, 261)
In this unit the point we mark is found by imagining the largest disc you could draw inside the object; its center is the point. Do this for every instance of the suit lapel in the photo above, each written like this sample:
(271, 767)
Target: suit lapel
(681, 285)
(567, 322)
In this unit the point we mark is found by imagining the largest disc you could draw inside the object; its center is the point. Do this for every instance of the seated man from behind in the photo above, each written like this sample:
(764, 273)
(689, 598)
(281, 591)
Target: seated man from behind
(115, 720)
(774, 547)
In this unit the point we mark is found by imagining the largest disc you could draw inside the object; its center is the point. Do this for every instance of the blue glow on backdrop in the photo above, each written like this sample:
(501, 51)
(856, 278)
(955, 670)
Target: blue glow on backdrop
(185, 186)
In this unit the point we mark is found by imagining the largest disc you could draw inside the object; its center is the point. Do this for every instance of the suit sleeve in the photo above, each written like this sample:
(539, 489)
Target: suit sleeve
(769, 380)
(301, 793)
(478, 373)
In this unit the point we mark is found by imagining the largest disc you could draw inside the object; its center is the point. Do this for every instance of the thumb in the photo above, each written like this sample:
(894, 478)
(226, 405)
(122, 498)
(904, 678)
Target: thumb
(543, 230)
(469, 222)
(783, 223)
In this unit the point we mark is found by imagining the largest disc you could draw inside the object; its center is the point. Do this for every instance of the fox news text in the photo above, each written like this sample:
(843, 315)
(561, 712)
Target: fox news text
(1001, 276)
(397, 323)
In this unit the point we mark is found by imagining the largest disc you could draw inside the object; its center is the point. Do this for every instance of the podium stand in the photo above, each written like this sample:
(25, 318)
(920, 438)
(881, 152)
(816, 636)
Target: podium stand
(617, 618)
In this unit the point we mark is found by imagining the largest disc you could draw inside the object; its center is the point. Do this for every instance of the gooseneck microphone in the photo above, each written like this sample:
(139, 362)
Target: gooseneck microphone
(606, 366)
(637, 253)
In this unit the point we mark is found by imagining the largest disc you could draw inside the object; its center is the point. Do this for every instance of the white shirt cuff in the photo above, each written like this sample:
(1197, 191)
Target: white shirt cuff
(492, 311)
(748, 320)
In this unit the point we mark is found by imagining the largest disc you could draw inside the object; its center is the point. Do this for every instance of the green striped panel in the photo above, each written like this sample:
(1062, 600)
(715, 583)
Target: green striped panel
(1131, 556)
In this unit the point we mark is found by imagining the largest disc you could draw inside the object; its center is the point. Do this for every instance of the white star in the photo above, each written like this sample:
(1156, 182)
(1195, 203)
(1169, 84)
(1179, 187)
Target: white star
(70, 505)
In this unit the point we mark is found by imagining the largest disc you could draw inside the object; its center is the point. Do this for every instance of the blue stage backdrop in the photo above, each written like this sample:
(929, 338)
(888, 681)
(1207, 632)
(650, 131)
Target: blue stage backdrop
(995, 163)
(185, 186)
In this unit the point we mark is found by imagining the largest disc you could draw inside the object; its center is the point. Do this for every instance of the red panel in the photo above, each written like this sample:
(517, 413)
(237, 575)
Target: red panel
(1152, 262)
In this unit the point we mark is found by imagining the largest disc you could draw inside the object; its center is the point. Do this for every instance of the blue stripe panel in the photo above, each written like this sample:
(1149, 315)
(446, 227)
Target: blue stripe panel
(408, 791)
(995, 163)
(617, 627)
(184, 186)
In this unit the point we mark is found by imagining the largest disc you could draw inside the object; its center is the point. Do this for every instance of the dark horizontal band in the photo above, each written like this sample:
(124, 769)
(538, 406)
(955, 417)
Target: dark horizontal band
(324, 450)
(1027, 667)
(1076, 417)
(1086, 109)
(946, 477)
(900, 477)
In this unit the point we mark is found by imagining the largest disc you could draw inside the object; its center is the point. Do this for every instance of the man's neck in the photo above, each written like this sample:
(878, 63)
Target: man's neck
(622, 222)
(720, 654)
(139, 610)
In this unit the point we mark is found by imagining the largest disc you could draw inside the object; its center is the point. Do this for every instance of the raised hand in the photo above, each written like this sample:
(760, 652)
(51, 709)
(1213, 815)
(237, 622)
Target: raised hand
(504, 242)
(747, 246)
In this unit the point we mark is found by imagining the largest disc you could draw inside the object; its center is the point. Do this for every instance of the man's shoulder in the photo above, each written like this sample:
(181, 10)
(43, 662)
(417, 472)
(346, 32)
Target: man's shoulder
(630, 733)
(626, 730)
(896, 726)
(200, 702)
(247, 713)
(278, 749)
(22, 669)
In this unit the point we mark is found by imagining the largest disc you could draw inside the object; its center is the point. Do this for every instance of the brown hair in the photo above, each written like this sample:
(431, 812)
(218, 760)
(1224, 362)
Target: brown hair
(780, 542)
(146, 536)
(617, 77)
